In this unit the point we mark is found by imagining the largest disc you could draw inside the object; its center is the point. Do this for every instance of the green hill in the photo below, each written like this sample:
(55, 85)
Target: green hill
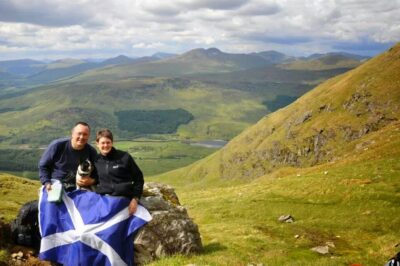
(329, 61)
(22, 67)
(275, 57)
(270, 74)
(46, 112)
(195, 61)
(319, 127)
(64, 63)
(14, 192)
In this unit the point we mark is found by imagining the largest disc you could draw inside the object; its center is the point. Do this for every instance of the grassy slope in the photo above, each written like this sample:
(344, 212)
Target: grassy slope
(14, 192)
(352, 203)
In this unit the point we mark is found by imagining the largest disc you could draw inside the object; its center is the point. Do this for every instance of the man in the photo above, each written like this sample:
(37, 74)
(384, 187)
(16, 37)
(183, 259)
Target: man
(62, 157)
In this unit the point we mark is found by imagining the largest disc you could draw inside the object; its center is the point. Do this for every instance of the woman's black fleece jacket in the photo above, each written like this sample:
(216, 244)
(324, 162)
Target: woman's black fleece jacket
(119, 175)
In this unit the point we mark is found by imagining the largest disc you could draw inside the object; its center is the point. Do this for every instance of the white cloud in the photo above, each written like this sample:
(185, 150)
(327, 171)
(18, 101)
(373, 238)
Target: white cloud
(148, 45)
(260, 8)
(141, 27)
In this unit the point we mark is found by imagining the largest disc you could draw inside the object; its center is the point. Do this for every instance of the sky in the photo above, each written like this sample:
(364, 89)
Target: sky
(55, 29)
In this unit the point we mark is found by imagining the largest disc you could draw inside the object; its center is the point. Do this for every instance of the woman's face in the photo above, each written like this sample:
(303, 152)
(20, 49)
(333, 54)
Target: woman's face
(104, 145)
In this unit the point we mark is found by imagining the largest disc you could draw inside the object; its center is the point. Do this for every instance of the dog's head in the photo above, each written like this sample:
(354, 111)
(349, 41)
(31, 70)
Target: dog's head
(85, 168)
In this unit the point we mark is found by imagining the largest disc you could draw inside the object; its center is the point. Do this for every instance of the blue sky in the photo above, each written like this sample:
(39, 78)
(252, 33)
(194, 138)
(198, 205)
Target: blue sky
(54, 29)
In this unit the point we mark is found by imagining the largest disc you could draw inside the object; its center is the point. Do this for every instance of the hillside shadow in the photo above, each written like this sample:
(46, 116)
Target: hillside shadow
(213, 247)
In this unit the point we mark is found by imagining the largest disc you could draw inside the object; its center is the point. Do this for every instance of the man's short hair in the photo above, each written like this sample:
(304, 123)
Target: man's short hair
(82, 123)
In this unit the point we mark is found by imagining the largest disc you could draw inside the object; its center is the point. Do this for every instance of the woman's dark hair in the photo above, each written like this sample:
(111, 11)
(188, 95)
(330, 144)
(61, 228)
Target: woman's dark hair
(104, 133)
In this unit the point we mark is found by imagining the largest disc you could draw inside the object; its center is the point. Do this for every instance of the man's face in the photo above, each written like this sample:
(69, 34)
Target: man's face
(80, 136)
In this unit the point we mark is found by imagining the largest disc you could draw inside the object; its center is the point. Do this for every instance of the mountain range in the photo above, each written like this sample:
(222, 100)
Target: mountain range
(34, 72)
(235, 88)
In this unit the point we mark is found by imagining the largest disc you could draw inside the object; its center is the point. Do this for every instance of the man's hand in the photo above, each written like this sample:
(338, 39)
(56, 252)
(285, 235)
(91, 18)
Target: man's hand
(133, 206)
(48, 186)
(85, 181)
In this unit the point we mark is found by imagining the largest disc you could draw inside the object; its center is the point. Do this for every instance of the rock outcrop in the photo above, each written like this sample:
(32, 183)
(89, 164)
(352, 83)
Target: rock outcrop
(170, 232)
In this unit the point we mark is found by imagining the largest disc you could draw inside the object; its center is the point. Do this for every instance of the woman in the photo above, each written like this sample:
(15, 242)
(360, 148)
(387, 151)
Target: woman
(117, 171)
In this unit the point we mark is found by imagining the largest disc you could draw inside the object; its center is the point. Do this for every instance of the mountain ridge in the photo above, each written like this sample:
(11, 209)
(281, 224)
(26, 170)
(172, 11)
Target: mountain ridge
(211, 60)
(324, 62)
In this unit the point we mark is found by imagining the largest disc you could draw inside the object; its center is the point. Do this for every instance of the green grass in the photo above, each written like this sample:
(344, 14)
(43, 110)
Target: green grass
(354, 206)
(352, 203)
(155, 157)
(14, 192)
(34, 175)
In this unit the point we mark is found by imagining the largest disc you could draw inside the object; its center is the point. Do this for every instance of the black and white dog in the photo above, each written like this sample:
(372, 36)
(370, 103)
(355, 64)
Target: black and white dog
(85, 169)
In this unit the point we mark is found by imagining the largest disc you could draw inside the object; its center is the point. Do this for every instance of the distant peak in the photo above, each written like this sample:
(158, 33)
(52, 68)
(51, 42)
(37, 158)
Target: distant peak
(121, 59)
(213, 51)
(210, 52)
(272, 52)
(121, 56)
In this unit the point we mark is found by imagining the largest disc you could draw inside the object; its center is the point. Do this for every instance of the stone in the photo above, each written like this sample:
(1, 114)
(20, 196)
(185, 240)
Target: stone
(170, 232)
(286, 219)
(20, 255)
(321, 250)
(305, 117)
(330, 244)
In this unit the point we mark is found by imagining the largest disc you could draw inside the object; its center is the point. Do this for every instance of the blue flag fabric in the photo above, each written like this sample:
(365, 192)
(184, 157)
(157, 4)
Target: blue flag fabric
(86, 228)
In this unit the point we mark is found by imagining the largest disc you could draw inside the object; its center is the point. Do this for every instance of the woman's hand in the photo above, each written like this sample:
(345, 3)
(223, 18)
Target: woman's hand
(85, 181)
(133, 206)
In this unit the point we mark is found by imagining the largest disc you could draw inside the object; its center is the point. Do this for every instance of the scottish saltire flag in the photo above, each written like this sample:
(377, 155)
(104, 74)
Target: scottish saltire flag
(86, 228)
